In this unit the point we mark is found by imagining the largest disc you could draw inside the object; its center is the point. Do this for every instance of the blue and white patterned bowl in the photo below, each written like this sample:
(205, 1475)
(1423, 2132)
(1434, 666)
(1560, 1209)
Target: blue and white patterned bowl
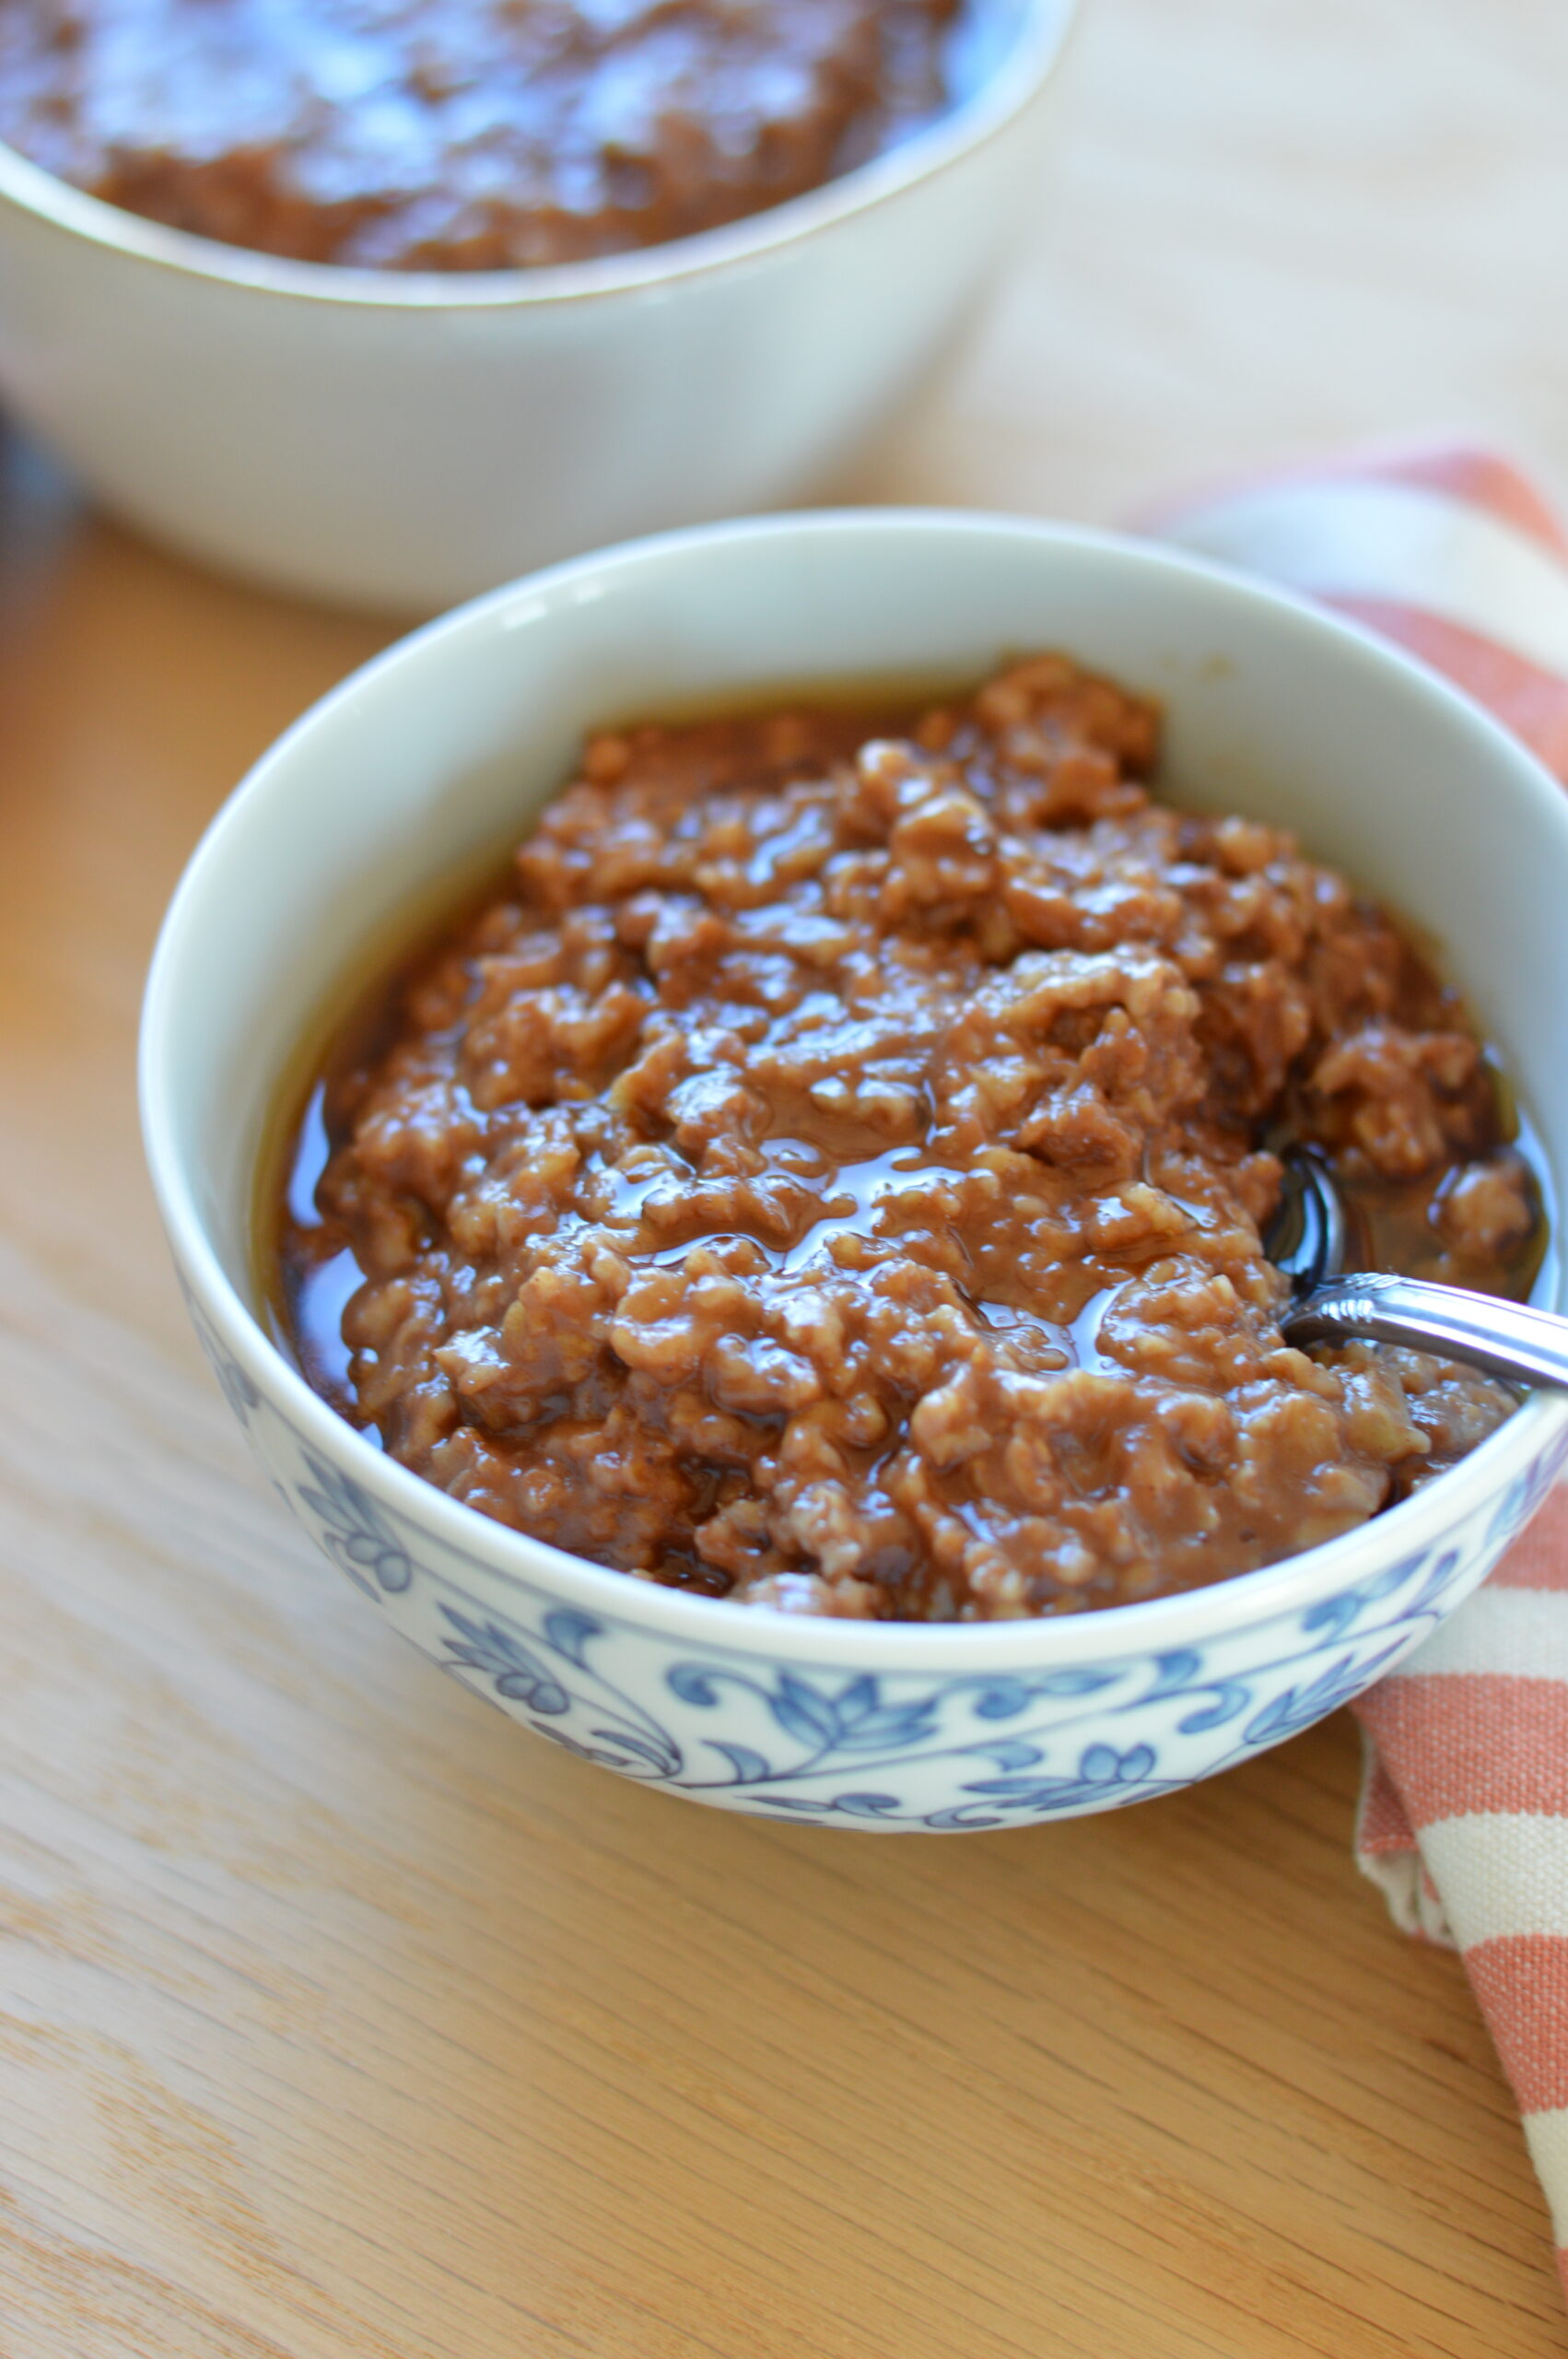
(438, 752)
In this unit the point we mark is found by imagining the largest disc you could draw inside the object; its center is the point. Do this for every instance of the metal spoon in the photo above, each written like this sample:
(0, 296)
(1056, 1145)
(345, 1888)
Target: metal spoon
(1306, 1239)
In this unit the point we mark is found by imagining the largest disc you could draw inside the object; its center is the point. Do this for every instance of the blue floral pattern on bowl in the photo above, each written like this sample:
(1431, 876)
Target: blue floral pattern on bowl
(759, 1730)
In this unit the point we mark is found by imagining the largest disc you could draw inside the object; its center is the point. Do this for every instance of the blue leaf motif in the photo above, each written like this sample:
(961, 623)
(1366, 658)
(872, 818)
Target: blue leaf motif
(355, 1534)
(387, 1564)
(851, 1805)
(516, 1673)
(1333, 1615)
(1384, 1585)
(541, 1694)
(642, 1748)
(801, 1713)
(1505, 1514)
(1299, 1707)
(1436, 1580)
(1102, 1765)
(1010, 1753)
(1172, 1672)
(472, 1632)
(568, 1632)
(895, 1725)
(1105, 1778)
(521, 1672)
(1229, 1698)
(1002, 1699)
(694, 1683)
(1525, 1493)
(237, 1388)
(748, 1766)
(595, 1753)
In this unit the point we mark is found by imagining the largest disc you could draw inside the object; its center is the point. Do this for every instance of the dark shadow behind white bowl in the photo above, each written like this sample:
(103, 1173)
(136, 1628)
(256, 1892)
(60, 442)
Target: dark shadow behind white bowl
(441, 749)
(402, 439)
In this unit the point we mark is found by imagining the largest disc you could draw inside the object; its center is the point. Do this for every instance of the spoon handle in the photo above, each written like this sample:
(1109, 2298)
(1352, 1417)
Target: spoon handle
(1508, 1339)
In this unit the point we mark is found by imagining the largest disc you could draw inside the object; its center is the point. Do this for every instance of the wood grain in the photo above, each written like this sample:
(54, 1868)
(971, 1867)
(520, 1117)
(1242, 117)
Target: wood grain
(340, 2021)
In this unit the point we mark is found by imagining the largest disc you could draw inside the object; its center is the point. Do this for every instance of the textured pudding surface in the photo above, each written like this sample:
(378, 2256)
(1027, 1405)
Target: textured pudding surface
(462, 134)
(830, 1174)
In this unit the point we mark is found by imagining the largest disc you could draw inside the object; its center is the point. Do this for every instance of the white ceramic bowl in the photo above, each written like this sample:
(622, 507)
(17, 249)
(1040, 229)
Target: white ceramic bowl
(405, 439)
(446, 746)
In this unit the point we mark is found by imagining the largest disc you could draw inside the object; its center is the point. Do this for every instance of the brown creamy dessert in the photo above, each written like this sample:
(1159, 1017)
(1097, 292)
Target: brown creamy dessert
(830, 1173)
(462, 134)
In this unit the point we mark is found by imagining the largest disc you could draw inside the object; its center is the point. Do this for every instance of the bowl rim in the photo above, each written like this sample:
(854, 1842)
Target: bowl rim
(514, 1559)
(1030, 60)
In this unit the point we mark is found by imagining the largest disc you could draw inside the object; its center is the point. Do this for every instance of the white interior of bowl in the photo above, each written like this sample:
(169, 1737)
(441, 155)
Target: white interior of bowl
(444, 748)
(1001, 53)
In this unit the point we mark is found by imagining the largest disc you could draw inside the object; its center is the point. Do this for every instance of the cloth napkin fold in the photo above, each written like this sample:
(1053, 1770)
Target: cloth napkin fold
(1464, 1807)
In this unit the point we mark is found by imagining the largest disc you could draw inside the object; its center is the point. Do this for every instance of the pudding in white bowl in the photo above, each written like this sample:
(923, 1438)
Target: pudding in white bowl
(439, 753)
(400, 437)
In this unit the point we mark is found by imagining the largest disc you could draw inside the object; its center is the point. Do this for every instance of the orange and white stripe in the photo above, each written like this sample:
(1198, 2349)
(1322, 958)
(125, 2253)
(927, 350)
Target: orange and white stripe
(1464, 1818)
(1448, 551)
(1464, 1811)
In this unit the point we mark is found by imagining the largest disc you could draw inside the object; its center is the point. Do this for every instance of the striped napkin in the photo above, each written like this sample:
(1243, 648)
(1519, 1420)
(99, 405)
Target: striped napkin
(1464, 1807)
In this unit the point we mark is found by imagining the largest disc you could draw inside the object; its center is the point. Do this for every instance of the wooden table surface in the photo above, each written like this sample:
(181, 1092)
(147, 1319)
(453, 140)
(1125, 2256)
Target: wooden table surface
(338, 2020)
